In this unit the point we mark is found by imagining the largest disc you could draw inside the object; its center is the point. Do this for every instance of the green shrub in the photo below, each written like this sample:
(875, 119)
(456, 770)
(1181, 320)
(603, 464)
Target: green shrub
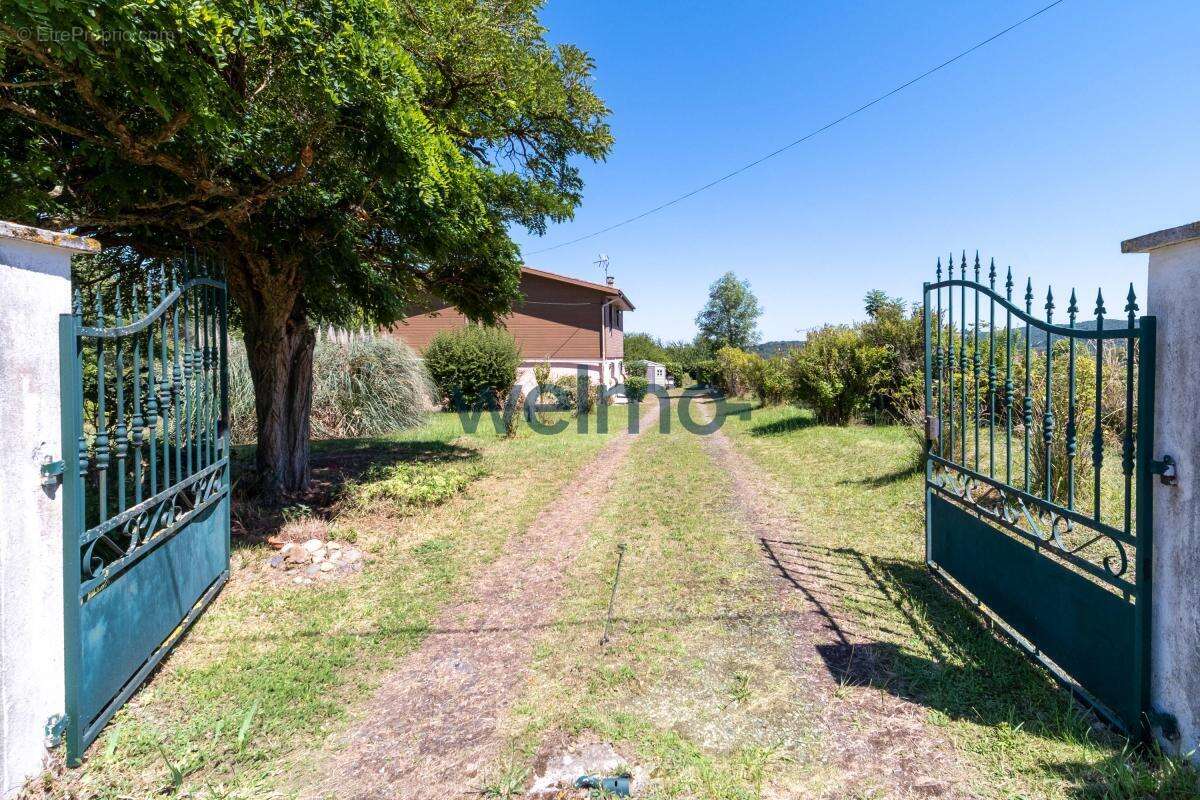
(636, 367)
(404, 486)
(768, 378)
(565, 392)
(635, 388)
(704, 372)
(541, 374)
(473, 365)
(514, 407)
(733, 369)
(599, 396)
(900, 382)
(367, 387)
(675, 370)
(834, 373)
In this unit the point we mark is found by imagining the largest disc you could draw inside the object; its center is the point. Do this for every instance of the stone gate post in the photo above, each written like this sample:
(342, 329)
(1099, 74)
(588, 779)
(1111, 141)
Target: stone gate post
(1174, 297)
(35, 287)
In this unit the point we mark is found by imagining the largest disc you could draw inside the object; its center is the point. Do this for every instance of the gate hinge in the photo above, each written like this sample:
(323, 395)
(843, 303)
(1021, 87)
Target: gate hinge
(56, 726)
(1165, 470)
(1166, 724)
(52, 471)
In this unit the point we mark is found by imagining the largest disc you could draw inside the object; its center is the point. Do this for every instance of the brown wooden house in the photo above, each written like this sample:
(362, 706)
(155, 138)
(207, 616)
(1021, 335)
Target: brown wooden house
(566, 322)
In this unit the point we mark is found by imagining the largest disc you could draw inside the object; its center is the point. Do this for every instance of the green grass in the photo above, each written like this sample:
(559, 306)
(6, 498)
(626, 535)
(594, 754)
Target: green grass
(698, 683)
(695, 683)
(857, 501)
(273, 668)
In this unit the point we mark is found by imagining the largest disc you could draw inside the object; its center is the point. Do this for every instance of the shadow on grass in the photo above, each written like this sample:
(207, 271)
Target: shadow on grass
(947, 659)
(885, 480)
(333, 463)
(781, 426)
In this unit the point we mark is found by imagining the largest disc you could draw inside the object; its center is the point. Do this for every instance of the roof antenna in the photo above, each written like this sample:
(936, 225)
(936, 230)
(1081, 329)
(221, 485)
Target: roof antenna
(602, 262)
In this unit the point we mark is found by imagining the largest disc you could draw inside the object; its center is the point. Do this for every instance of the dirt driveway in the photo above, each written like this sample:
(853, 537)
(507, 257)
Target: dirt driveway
(433, 724)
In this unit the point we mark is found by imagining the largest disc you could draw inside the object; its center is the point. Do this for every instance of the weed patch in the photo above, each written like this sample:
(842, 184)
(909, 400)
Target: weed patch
(406, 487)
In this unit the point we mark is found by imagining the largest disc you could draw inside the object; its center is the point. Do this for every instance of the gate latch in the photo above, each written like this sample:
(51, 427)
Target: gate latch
(1165, 470)
(52, 471)
(933, 428)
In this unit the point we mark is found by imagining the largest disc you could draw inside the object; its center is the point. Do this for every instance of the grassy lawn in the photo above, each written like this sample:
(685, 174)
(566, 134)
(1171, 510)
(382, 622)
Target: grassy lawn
(273, 667)
(854, 495)
(700, 687)
(696, 684)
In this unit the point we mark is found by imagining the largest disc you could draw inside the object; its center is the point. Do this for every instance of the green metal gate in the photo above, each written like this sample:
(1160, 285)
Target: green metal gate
(145, 480)
(1038, 477)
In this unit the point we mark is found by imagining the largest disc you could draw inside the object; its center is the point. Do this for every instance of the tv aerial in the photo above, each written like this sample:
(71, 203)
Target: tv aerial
(602, 262)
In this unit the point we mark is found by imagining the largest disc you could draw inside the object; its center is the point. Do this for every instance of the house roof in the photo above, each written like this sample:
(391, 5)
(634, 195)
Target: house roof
(612, 291)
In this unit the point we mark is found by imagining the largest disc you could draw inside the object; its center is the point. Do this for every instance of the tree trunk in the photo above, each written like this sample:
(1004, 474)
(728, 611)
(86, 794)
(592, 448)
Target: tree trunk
(280, 351)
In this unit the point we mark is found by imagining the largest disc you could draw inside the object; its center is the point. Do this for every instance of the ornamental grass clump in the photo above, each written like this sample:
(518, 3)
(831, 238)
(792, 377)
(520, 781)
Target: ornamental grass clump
(367, 387)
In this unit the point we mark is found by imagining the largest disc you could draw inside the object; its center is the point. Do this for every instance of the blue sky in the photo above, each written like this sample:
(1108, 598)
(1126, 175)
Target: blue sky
(1045, 149)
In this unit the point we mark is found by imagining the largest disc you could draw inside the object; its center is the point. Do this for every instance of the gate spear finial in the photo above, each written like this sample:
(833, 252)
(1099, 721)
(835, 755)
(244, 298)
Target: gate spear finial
(1132, 305)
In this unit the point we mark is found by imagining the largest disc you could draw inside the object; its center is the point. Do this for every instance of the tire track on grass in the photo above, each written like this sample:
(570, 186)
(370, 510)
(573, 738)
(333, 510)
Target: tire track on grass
(876, 741)
(434, 723)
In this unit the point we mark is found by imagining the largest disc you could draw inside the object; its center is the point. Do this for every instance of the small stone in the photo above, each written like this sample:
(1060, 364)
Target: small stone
(318, 555)
(334, 555)
(298, 555)
(312, 569)
(287, 548)
(333, 545)
(352, 555)
(313, 545)
(297, 579)
(326, 566)
(276, 562)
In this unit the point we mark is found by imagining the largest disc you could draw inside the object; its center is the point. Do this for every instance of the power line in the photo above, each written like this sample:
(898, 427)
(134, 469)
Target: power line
(803, 138)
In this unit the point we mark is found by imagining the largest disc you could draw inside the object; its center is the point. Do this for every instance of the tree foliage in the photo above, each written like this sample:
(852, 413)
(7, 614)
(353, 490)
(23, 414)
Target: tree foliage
(730, 317)
(643, 347)
(341, 158)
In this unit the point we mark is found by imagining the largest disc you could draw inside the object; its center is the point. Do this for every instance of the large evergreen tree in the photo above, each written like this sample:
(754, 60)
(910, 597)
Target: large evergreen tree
(339, 157)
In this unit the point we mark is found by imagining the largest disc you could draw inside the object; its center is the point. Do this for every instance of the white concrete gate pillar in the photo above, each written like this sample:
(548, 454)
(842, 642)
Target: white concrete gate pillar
(35, 287)
(1174, 297)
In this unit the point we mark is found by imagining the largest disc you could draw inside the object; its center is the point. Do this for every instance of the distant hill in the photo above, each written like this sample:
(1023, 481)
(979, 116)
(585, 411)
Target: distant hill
(777, 347)
(1037, 336)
